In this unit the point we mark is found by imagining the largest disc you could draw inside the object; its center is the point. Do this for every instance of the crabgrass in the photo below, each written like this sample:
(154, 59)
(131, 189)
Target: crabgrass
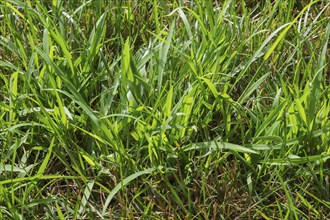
(164, 109)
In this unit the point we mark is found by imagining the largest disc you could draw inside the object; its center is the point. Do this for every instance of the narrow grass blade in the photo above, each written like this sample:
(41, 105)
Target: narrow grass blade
(215, 145)
(123, 183)
(282, 35)
(45, 162)
(251, 88)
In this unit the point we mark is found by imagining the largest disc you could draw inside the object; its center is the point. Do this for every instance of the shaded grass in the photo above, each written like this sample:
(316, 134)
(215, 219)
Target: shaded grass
(167, 110)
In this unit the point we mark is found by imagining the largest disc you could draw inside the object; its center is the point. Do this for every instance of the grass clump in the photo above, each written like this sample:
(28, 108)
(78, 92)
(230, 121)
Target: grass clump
(164, 109)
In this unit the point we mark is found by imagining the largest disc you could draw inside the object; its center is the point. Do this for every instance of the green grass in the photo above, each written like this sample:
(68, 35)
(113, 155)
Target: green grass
(164, 109)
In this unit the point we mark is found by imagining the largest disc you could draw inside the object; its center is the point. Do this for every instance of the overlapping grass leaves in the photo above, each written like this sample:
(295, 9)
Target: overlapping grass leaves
(140, 109)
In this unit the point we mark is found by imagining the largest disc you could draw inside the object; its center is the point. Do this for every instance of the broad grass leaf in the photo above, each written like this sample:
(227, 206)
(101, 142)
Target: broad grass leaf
(45, 162)
(218, 145)
(168, 103)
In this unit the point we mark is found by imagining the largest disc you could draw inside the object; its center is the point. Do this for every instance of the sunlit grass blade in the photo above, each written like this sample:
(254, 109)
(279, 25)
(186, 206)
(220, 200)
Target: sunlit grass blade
(212, 145)
(97, 97)
(282, 35)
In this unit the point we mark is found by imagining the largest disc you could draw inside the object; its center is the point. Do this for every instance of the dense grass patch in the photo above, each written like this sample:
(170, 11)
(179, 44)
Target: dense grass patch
(164, 109)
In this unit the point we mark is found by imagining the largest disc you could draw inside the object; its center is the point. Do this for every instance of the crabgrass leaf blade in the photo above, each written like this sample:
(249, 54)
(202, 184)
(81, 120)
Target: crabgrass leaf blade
(86, 195)
(88, 160)
(168, 104)
(59, 39)
(163, 56)
(123, 183)
(282, 35)
(251, 88)
(317, 80)
(45, 162)
(59, 211)
(96, 37)
(270, 118)
(210, 85)
(215, 145)
(9, 167)
(293, 159)
(301, 111)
